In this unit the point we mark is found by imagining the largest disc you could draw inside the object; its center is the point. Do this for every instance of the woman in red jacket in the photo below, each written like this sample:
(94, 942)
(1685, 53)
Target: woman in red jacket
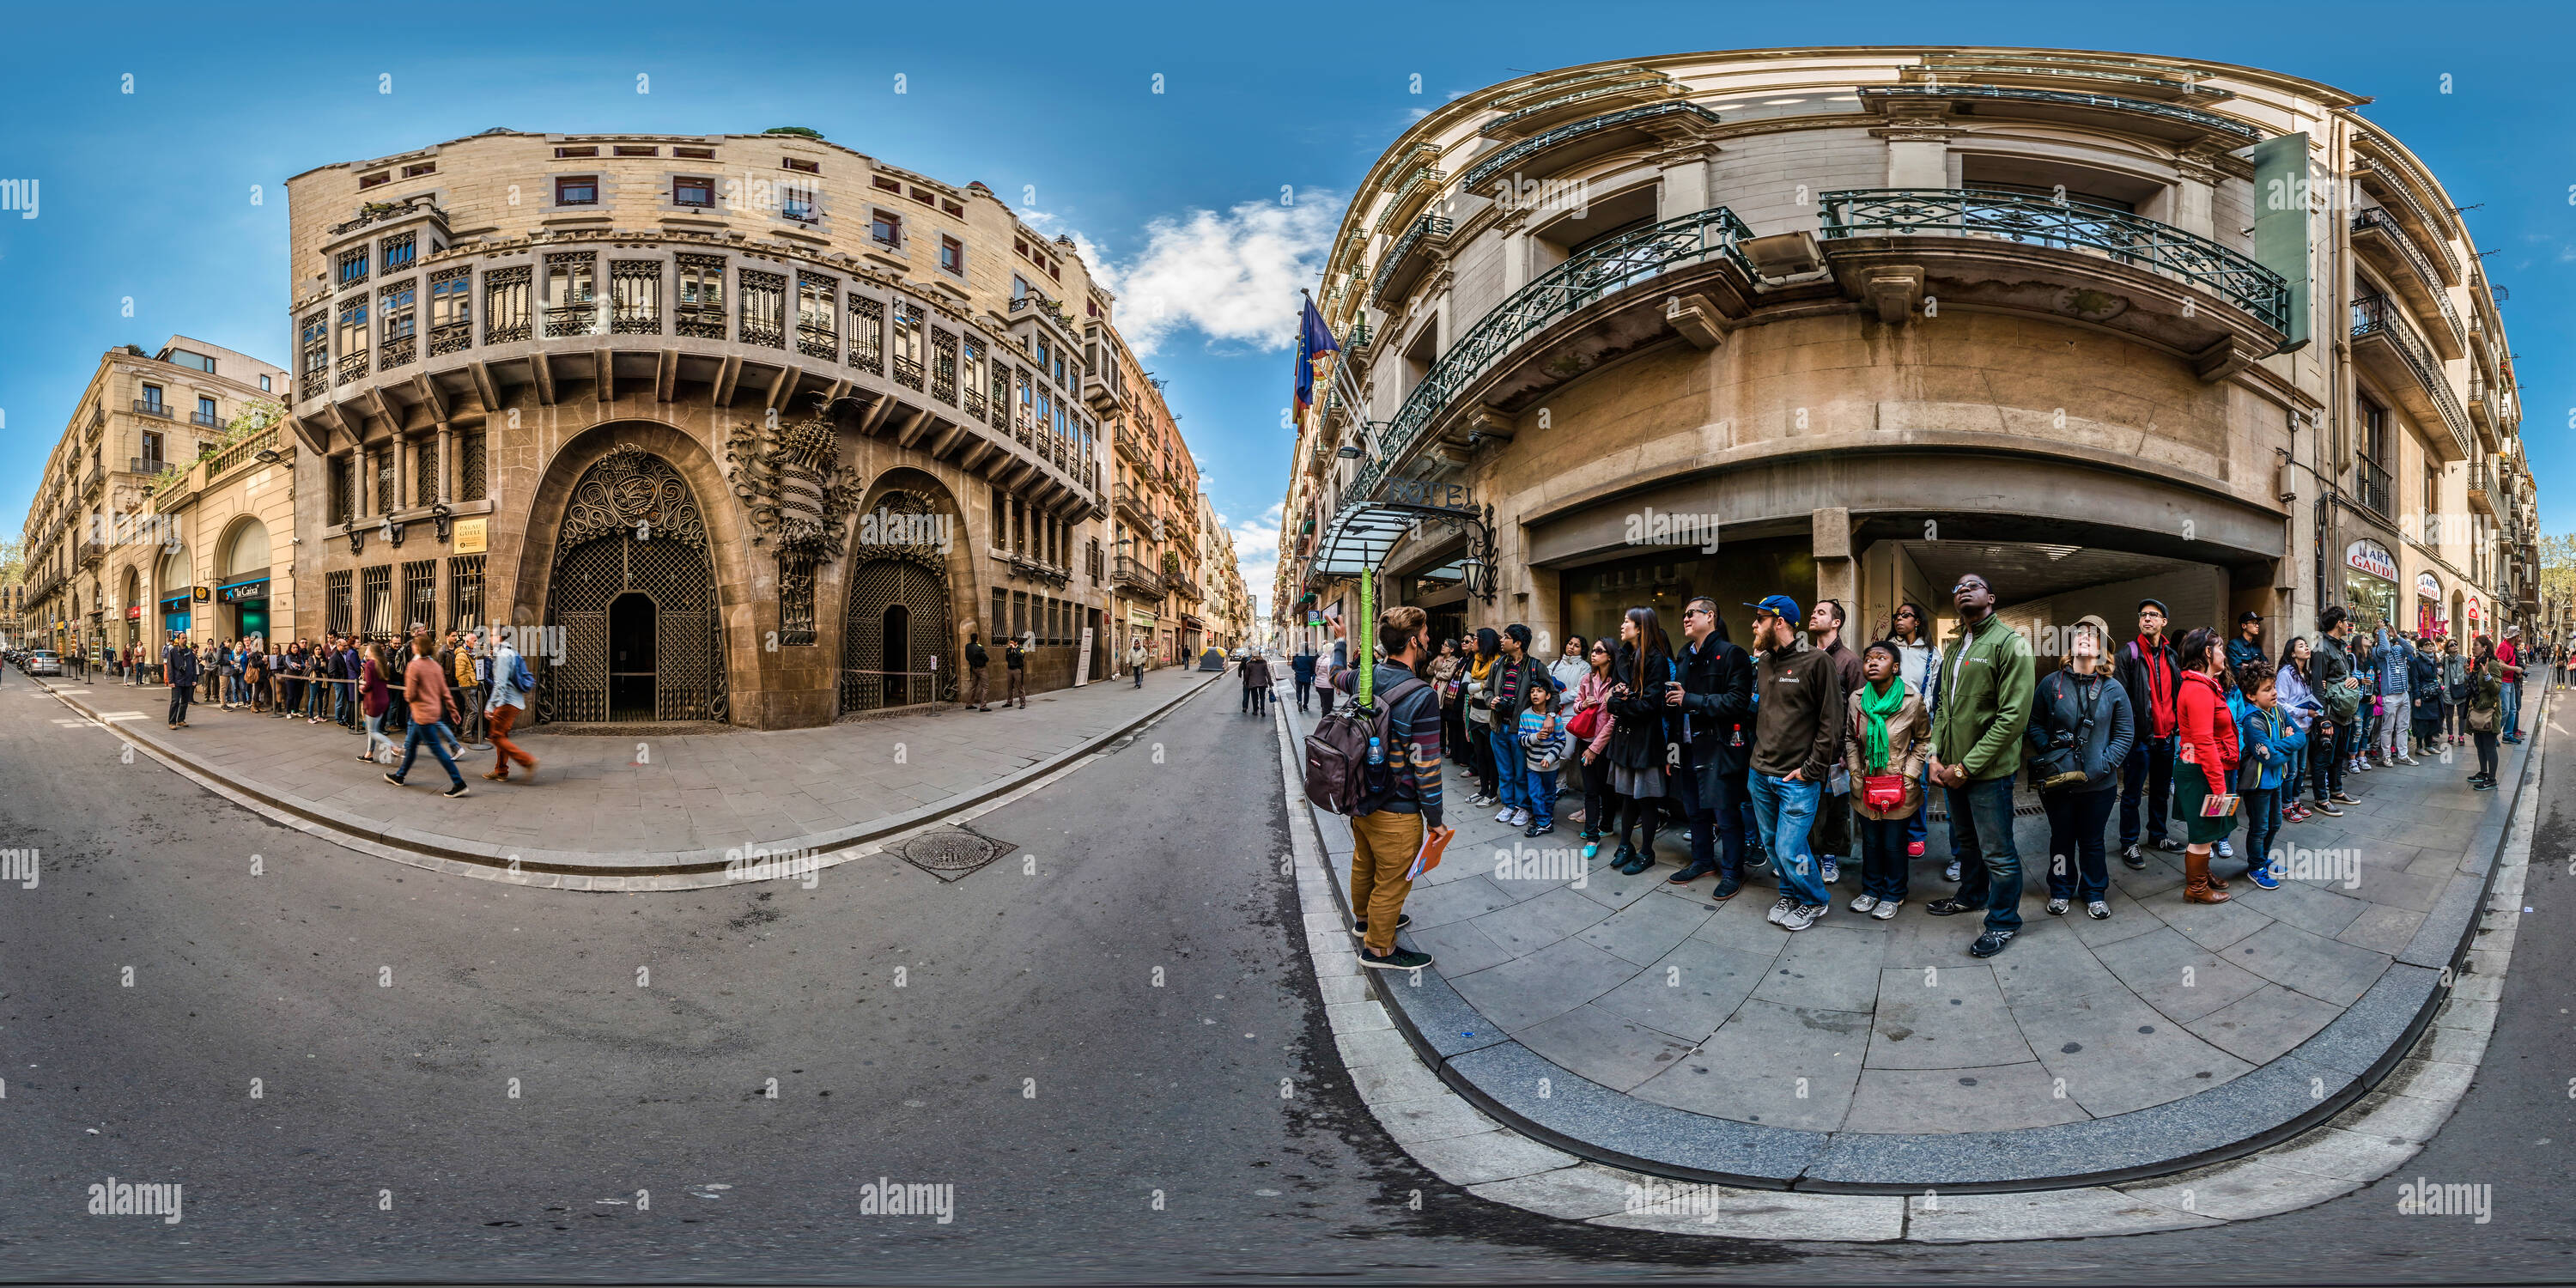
(2206, 765)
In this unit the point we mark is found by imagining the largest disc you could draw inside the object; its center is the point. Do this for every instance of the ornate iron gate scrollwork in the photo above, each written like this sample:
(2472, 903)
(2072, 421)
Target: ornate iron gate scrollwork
(634, 525)
(898, 565)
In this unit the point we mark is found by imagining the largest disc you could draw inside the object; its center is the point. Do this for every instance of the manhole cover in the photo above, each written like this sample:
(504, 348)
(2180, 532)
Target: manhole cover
(950, 852)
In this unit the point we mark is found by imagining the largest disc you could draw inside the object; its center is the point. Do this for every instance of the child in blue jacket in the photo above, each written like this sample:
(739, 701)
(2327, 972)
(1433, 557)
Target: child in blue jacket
(2265, 737)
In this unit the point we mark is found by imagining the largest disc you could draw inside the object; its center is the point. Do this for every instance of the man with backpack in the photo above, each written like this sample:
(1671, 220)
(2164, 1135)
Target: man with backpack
(2148, 670)
(1395, 803)
(2331, 750)
(511, 683)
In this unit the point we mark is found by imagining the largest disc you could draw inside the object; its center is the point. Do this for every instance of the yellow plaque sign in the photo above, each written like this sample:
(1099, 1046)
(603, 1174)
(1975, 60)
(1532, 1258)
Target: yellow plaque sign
(470, 539)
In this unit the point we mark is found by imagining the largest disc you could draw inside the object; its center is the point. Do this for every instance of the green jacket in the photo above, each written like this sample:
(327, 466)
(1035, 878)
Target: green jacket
(1985, 703)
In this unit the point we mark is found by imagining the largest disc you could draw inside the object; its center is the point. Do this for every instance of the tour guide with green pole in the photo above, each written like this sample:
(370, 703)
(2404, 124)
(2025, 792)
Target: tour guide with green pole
(1355, 545)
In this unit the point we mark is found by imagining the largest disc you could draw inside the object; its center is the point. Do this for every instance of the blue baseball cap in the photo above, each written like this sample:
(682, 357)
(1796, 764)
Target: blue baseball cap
(1781, 605)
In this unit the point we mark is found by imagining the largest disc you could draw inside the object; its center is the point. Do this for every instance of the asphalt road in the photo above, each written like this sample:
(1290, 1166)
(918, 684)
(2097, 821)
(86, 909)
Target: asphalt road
(1091, 1124)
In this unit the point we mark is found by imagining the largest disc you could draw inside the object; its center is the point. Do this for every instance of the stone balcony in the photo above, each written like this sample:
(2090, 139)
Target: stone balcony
(2385, 243)
(2387, 346)
(697, 317)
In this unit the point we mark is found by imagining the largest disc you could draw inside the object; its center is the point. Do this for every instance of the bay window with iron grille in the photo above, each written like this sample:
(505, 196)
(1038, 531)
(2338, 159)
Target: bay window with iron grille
(701, 300)
(817, 312)
(907, 344)
(572, 293)
(470, 484)
(451, 310)
(313, 345)
(2370, 465)
(635, 296)
(764, 309)
(395, 319)
(352, 339)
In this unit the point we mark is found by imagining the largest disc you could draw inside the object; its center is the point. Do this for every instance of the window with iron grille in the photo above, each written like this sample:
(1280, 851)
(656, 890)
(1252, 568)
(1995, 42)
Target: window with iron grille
(972, 377)
(399, 251)
(999, 410)
(867, 333)
(701, 314)
(451, 310)
(817, 307)
(635, 296)
(572, 293)
(353, 266)
(353, 338)
(424, 460)
(764, 306)
(313, 337)
(1093, 561)
(376, 601)
(344, 488)
(385, 481)
(396, 320)
(465, 592)
(943, 366)
(1019, 613)
(469, 467)
(335, 603)
(420, 593)
(907, 344)
(1001, 612)
(505, 305)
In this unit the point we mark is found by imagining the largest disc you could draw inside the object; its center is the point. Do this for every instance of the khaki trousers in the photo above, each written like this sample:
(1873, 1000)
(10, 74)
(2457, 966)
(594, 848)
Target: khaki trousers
(1382, 847)
(974, 686)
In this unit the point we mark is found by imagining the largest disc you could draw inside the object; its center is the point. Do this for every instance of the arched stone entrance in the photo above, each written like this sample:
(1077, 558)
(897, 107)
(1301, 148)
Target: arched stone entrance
(633, 590)
(895, 617)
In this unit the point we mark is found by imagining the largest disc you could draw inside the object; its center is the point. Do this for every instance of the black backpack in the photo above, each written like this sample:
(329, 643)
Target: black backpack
(1337, 777)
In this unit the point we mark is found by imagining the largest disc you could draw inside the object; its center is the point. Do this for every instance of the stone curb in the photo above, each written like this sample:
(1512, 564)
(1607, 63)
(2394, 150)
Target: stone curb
(1568, 1123)
(572, 869)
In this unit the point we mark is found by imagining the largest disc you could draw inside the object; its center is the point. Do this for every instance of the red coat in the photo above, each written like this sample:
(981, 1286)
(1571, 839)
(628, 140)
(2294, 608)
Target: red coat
(2208, 728)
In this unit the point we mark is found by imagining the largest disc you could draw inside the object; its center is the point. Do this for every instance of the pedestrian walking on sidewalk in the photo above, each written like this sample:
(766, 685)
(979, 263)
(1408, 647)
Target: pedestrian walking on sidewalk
(2423, 694)
(290, 685)
(511, 683)
(2455, 693)
(2508, 654)
(2486, 712)
(1707, 719)
(1641, 752)
(180, 662)
(1136, 665)
(2081, 729)
(2148, 671)
(1976, 750)
(2393, 663)
(376, 697)
(1476, 715)
(2332, 753)
(1798, 715)
(1388, 825)
(2263, 741)
(976, 659)
(1886, 737)
(1302, 668)
(1015, 670)
(425, 692)
(2209, 750)
(1256, 684)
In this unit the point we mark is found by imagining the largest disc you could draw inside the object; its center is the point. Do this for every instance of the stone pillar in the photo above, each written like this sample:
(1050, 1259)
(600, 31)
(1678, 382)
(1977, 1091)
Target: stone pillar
(363, 504)
(2194, 201)
(1684, 189)
(446, 464)
(1837, 573)
(1918, 162)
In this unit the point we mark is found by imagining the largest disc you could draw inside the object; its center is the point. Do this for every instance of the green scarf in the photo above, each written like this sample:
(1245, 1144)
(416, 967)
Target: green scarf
(1876, 705)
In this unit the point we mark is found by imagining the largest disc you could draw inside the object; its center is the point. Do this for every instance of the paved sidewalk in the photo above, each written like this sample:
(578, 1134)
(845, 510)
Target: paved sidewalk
(1660, 1022)
(643, 806)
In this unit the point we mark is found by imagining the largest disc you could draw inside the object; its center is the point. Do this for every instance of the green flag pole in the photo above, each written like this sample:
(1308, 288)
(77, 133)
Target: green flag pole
(1359, 647)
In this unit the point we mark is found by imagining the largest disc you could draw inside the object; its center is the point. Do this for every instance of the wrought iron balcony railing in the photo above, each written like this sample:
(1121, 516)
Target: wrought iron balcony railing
(207, 419)
(1427, 226)
(2373, 315)
(147, 466)
(2379, 221)
(2371, 480)
(147, 407)
(1502, 161)
(2070, 225)
(2203, 120)
(1577, 283)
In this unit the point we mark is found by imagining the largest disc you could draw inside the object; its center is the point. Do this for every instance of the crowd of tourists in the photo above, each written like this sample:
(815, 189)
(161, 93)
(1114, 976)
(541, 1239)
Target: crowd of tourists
(1800, 753)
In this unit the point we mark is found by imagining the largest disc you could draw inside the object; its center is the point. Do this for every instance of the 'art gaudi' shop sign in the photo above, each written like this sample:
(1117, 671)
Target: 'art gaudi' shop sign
(2372, 558)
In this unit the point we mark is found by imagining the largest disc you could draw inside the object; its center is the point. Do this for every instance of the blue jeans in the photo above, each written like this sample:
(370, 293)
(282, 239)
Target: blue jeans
(2150, 771)
(1717, 825)
(1982, 813)
(2076, 866)
(428, 731)
(1540, 786)
(1507, 757)
(1783, 811)
(1884, 868)
(2262, 811)
(1919, 823)
(2512, 708)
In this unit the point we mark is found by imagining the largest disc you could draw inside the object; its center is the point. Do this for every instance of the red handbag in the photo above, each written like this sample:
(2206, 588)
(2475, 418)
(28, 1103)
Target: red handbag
(1882, 791)
(1586, 724)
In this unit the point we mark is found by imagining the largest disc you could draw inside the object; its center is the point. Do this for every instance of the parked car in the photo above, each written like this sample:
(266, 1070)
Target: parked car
(44, 662)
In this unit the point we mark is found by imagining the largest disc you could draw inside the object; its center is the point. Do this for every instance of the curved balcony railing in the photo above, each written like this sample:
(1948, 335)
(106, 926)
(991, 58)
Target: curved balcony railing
(2380, 221)
(2072, 225)
(1397, 255)
(2372, 315)
(1501, 162)
(1595, 274)
(2398, 187)
(2212, 122)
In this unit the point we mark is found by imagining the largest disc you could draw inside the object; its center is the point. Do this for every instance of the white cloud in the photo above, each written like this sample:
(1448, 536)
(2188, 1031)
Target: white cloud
(1233, 277)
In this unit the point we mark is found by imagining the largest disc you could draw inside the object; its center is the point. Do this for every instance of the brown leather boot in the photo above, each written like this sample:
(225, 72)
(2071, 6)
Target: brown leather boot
(2196, 886)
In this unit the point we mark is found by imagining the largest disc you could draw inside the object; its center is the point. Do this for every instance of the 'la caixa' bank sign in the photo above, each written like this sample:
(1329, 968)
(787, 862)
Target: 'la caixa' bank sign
(1446, 496)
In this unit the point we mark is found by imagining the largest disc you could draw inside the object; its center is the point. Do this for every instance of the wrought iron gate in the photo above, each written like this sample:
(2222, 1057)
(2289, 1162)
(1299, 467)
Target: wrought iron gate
(870, 679)
(633, 525)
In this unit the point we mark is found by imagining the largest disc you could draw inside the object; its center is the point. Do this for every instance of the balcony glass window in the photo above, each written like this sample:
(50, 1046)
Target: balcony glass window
(451, 305)
(572, 293)
(205, 410)
(702, 297)
(152, 396)
(635, 296)
(396, 314)
(952, 254)
(313, 340)
(577, 190)
(886, 228)
(353, 266)
(699, 194)
(399, 251)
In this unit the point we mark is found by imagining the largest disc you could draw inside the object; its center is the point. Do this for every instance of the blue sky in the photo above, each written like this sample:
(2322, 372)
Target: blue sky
(147, 194)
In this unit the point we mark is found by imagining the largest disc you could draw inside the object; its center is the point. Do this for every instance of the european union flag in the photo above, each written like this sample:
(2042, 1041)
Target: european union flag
(1313, 339)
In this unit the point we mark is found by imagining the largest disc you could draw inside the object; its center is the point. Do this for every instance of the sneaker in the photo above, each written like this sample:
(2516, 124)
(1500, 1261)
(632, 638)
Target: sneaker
(458, 790)
(1538, 829)
(1687, 875)
(1780, 909)
(1727, 888)
(1886, 910)
(1914, 849)
(2327, 808)
(2224, 850)
(2265, 876)
(1833, 871)
(1359, 925)
(1951, 873)
(1400, 959)
(2098, 910)
(1990, 943)
(2343, 798)
(395, 781)
(2483, 785)
(1590, 850)
(1758, 859)
(2168, 845)
(1503, 815)
(2058, 907)
(1862, 902)
(1479, 800)
(1520, 818)
(1803, 916)
(2136, 861)
(1949, 908)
